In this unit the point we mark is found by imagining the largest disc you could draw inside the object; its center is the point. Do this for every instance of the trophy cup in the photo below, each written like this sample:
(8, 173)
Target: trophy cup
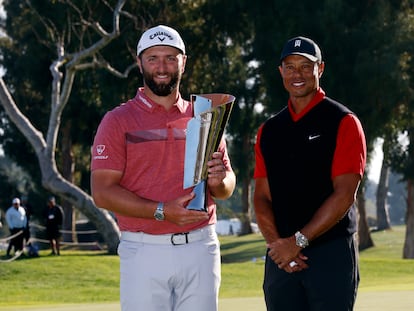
(204, 133)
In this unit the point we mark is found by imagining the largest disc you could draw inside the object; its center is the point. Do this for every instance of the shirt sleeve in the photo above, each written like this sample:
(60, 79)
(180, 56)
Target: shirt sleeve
(350, 153)
(109, 146)
(260, 167)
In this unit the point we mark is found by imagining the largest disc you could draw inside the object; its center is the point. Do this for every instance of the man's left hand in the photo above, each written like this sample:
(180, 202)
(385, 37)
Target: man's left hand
(216, 170)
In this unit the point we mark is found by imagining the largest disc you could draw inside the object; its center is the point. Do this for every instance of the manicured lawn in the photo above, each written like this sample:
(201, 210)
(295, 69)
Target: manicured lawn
(93, 276)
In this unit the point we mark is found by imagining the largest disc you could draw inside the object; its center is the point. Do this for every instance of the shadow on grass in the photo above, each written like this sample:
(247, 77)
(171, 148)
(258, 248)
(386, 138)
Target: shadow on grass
(243, 250)
(47, 254)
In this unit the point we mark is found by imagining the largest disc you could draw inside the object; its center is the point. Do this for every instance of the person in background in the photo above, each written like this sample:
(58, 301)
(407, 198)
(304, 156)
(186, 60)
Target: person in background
(17, 222)
(28, 208)
(54, 220)
(310, 158)
(169, 255)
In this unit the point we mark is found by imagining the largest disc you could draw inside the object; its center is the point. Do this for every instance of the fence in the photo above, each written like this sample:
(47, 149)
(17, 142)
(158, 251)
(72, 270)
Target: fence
(38, 237)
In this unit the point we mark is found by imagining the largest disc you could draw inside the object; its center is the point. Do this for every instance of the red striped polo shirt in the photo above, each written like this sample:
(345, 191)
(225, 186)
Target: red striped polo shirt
(147, 143)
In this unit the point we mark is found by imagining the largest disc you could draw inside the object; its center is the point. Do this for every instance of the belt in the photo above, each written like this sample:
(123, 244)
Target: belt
(169, 239)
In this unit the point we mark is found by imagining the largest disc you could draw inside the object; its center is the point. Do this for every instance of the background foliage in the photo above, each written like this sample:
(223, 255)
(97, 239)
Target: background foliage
(233, 47)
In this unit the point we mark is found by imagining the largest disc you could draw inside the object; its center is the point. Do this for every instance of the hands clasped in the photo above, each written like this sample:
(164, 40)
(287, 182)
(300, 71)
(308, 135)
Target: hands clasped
(286, 255)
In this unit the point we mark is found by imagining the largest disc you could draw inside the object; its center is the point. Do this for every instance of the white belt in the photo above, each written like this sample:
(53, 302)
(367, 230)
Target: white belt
(171, 239)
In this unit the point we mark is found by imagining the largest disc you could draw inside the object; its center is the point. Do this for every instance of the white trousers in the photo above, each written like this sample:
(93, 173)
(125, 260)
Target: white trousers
(167, 277)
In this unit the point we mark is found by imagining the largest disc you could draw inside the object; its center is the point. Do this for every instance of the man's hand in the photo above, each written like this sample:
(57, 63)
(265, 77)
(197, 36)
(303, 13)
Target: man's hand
(176, 212)
(216, 170)
(286, 254)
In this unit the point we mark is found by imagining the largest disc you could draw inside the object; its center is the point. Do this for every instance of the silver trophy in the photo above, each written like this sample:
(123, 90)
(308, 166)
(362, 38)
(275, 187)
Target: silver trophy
(204, 133)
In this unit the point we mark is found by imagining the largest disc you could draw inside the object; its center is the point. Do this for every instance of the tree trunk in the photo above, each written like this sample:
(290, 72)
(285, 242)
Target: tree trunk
(246, 220)
(246, 227)
(52, 180)
(63, 74)
(101, 218)
(364, 235)
(383, 217)
(408, 251)
(68, 169)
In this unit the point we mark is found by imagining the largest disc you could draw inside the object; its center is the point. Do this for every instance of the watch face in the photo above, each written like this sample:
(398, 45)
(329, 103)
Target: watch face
(301, 240)
(159, 214)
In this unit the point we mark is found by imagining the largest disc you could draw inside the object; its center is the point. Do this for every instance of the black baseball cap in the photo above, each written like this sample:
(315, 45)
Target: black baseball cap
(302, 46)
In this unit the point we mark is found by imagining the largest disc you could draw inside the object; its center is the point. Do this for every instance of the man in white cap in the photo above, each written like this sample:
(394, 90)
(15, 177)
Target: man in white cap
(169, 255)
(17, 222)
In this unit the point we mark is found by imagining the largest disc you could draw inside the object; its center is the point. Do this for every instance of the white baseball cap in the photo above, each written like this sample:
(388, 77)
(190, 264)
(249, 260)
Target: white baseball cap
(160, 35)
(16, 201)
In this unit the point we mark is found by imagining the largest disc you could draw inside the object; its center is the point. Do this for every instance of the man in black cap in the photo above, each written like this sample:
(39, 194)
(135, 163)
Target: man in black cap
(310, 158)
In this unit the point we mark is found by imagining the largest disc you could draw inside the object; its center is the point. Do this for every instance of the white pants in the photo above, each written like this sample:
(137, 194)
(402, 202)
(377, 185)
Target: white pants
(167, 277)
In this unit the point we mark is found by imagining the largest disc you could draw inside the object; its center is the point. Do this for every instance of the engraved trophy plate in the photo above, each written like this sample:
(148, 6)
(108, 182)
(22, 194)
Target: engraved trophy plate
(204, 133)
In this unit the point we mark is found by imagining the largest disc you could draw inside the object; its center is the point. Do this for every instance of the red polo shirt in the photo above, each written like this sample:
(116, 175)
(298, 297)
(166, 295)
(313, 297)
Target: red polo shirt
(147, 143)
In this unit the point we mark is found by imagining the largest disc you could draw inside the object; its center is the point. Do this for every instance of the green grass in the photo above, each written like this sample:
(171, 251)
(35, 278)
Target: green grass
(93, 276)
(71, 278)
(382, 266)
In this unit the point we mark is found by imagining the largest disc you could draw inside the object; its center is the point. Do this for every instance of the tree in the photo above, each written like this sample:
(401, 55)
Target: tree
(364, 237)
(408, 250)
(402, 157)
(228, 63)
(226, 54)
(383, 218)
(63, 70)
(362, 67)
(82, 32)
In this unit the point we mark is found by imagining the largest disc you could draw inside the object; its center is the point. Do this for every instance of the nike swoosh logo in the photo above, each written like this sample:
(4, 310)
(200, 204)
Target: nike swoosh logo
(312, 137)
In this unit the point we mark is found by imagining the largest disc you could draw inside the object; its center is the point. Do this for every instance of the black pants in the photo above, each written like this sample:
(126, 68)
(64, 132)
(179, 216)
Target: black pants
(329, 284)
(16, 242)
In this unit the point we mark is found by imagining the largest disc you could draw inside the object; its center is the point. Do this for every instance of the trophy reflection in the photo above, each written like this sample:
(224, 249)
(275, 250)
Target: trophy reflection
(204, 133)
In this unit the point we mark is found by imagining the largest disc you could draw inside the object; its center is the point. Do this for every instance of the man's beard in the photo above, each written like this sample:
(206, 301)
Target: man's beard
(161, 89)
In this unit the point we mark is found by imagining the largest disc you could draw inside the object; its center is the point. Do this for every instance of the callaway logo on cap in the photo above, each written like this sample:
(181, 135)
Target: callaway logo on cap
(304, 47)
(160, 35)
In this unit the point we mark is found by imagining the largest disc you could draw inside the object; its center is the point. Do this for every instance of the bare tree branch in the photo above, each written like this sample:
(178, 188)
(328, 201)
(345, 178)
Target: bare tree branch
(103, 64)
(63, 70)
(61, 91)
(34, 136)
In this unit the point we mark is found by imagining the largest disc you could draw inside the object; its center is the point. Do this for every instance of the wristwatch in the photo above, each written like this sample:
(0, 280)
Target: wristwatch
(301, 240)
(159, 212)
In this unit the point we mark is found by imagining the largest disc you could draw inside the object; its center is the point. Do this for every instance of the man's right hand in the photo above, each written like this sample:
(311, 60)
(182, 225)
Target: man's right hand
(176, 212)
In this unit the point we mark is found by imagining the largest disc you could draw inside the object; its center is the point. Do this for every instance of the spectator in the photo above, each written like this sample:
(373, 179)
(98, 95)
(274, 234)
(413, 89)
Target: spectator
(28, 208)
(54, 220)
(17, 221)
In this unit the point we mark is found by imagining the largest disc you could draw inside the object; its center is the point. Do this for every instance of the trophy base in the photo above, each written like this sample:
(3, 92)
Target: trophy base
(199, 202)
